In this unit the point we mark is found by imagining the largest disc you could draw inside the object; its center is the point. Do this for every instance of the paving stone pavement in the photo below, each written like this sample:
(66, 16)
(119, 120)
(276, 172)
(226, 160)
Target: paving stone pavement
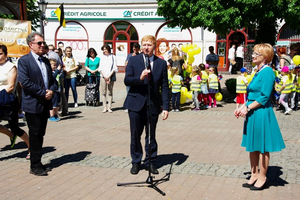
(199, 151)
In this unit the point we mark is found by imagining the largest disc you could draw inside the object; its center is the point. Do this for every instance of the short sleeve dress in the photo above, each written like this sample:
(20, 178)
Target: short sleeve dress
(261, 130)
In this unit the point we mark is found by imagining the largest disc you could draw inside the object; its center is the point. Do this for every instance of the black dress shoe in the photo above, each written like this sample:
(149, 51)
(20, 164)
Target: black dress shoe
(135, 169)
(264, 186)
(153, 170)
(46, 169)
(38, 172)
(247, 185)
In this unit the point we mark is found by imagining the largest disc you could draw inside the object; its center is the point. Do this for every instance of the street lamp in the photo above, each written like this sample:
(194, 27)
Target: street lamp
(42, 7)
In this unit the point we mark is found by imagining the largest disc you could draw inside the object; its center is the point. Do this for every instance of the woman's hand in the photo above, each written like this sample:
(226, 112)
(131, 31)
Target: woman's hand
(241, 112)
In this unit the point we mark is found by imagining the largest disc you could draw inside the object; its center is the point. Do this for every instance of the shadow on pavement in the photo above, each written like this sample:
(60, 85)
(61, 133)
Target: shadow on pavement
(166, 159)
(24, 153)
(273, 175)
(70, 158)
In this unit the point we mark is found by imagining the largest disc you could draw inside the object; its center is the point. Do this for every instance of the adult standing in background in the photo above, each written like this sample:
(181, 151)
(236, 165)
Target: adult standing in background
(231, 58)
(136, 50)
(92, 63)
(38, 86)
(212, 59)
(136, 101)
(284, 59)
(261, 133)
(239, 57)
(108, 66)
(63, 108)
(71, 65)
(177, 61)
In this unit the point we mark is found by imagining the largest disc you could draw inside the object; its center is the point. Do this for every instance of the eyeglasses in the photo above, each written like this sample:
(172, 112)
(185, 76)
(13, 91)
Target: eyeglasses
(255, 54)
(40, 43)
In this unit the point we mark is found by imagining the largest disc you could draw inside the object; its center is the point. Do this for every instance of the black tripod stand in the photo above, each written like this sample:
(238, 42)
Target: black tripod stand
(152, 183)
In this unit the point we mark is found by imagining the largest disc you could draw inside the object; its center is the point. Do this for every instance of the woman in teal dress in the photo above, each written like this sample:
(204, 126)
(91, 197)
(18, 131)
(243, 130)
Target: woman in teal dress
(261, 134)
(92, 63)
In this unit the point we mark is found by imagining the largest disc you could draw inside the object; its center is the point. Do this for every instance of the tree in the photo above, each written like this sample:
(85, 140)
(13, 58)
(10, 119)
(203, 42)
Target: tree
(33, 14)
(221, 16)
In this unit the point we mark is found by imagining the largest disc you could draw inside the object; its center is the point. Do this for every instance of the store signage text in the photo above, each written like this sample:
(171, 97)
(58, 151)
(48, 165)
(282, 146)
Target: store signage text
(85, 14)
(129, 13)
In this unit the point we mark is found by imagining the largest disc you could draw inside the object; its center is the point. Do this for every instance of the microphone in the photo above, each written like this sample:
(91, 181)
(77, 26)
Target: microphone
(147, 61)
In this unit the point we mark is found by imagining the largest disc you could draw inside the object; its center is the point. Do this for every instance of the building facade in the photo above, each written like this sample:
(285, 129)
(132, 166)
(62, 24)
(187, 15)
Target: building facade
(120, 23)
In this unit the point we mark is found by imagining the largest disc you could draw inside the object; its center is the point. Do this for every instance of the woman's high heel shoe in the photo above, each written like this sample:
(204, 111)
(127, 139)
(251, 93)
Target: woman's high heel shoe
(247, 185)
(264, 186)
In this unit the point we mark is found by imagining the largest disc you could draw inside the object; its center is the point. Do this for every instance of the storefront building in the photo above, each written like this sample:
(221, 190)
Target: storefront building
(122, 23)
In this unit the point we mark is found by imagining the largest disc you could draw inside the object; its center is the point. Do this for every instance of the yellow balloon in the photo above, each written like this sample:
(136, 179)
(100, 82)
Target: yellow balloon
(189, 94)
(184, 48)
(190, 52)
(219, 96)
(191, 59)
(189, 46)
(296, 60)
(189, 68)
(182, 99)
(194, 46)
(183, 91)
(197, 50)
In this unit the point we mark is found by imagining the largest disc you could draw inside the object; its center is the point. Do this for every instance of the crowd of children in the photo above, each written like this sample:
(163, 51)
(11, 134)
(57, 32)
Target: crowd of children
(203, 85)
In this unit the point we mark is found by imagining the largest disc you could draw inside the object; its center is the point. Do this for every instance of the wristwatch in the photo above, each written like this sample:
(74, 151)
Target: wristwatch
(248, 109)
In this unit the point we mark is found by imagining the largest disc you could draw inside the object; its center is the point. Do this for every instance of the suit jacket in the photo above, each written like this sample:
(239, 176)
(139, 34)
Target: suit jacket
(138, 92)
(33, 88)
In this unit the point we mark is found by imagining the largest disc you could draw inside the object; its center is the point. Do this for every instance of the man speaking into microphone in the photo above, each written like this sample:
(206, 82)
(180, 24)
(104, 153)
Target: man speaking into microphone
(141, 70)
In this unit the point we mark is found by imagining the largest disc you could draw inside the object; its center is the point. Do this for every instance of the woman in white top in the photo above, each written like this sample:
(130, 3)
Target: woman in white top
(71, 77)
(108, 66)
(8, 80)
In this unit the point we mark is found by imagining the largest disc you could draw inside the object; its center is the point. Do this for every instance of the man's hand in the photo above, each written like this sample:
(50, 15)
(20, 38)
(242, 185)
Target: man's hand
(165, 114)
(49, 94)
(144, 74)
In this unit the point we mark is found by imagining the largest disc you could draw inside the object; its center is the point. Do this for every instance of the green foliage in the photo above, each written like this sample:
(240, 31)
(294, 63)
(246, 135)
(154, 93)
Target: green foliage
(33, 14)
(221, 16)
(231, 85)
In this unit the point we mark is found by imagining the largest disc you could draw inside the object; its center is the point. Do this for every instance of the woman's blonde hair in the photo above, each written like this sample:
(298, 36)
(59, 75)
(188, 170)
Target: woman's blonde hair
(266, 50)
(175, 54)
(174, 71)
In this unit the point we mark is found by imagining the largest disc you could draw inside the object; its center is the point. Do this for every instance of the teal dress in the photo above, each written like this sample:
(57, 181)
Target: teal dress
(261, 131)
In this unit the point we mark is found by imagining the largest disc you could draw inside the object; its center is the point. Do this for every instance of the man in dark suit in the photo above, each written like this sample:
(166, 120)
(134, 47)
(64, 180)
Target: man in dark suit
(136, 101)
(38, 86)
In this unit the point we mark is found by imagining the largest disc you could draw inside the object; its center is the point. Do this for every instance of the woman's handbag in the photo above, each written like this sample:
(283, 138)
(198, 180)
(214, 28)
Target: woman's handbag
(113, 76)
(6, 105)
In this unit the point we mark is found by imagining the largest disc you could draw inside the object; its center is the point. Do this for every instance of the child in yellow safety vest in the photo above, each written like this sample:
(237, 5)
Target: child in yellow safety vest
(176, 82)
(196, 85)
(241, 88)
(293, 92)
(213, 86)
(297, 85)
(204, 84)
(286, 89)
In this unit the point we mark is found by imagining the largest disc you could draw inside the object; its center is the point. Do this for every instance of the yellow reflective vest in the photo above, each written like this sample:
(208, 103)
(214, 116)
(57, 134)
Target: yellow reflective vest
(176, 83)
(241, 86)
(288, 85)
(213, 82)
(298, 84)
(195, 85)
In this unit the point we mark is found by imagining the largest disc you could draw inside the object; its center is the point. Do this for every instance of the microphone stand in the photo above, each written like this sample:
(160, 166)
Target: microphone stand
(150, 180)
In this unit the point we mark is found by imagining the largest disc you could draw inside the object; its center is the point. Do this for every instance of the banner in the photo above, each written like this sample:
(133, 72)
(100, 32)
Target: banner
(13, 34)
